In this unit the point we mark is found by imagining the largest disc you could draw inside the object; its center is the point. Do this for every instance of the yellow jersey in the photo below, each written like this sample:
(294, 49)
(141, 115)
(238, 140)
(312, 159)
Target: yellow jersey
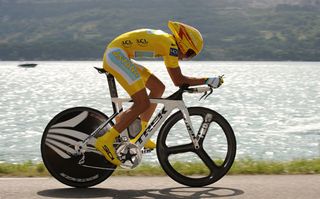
(148, 43)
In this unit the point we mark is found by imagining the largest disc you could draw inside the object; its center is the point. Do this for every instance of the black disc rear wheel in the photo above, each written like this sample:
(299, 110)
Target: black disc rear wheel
(58, 142)
(196, 167)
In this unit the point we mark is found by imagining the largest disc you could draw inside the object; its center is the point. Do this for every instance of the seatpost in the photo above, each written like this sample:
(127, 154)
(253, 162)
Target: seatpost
(112, 90)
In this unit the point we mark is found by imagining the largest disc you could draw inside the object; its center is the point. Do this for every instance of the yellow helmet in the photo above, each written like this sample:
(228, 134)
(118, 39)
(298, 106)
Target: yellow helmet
(188, 38)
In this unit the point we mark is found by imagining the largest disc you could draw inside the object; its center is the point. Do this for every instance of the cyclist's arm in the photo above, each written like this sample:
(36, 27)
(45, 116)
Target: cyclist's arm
(179, 79)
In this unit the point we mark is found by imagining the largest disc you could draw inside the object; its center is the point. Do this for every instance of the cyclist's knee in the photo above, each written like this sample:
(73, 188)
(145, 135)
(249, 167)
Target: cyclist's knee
(156, 86)
(142, 105)
(161, 89)
(141, 101)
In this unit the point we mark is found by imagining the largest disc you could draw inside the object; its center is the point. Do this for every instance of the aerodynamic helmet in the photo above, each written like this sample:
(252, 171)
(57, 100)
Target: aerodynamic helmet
(188, 38)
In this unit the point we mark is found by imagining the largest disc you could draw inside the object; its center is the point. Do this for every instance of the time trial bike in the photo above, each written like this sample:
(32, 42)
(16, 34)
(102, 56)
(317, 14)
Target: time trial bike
(194, 137)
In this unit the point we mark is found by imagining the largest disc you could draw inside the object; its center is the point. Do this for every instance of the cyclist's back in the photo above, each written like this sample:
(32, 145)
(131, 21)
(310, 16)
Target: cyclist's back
(148, 43)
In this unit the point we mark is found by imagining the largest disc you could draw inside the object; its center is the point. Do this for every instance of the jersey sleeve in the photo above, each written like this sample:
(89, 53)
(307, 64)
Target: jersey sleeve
(171, 58)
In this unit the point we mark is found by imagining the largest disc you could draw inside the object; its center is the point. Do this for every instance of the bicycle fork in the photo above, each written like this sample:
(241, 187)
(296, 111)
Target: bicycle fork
(204, 127)
(196, 140)
(188, 123)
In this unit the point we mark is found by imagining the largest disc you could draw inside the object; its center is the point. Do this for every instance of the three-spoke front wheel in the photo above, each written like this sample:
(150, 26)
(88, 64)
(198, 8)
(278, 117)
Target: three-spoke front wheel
(196, 167)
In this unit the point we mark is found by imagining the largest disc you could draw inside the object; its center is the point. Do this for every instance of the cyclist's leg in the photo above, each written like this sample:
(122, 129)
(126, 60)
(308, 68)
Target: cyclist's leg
(140, 104)
(155, 86)
(120, 66)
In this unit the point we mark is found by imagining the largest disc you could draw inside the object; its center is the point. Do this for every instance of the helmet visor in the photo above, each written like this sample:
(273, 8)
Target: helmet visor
(189, 54)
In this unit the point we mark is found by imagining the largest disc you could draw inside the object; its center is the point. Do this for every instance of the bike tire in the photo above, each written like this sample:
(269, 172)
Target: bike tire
(215, 170)
(58, 141)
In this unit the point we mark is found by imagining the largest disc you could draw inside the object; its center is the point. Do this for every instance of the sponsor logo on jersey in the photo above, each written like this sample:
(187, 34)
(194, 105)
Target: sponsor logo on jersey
(146, 54)
(125, 64)
(142, 42)
(173, 52)
(127, 43)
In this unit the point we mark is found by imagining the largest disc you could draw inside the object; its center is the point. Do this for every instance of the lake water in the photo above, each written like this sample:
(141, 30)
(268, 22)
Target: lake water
(273, 107)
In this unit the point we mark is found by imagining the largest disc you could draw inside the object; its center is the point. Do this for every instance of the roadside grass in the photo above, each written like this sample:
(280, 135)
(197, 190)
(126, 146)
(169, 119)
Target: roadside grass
(250, 166)
(244, 167)
(26, 169)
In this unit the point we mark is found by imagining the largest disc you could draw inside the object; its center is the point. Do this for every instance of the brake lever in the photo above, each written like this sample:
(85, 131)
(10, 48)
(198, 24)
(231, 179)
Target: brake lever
(206, 94)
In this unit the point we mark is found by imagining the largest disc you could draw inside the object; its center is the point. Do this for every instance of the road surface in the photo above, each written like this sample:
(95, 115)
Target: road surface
(242, 186)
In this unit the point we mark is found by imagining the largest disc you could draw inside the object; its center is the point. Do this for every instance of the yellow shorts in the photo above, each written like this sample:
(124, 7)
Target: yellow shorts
(131, 76)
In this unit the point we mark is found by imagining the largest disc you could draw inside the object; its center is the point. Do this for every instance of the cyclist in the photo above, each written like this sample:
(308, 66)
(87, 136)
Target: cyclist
(185, 42)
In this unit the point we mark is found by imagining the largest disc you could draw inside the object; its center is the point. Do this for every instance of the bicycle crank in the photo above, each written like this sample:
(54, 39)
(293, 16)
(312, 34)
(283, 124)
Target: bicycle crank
(129, 154)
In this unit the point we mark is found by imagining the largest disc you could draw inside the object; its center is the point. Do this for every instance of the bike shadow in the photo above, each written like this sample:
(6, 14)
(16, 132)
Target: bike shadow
(168, 193)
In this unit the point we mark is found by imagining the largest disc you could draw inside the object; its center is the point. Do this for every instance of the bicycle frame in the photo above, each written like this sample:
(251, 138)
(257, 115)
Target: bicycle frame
(175, 101)
(160, 118)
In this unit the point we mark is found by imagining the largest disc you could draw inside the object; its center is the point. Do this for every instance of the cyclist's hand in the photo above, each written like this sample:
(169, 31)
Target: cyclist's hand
(215, 82)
